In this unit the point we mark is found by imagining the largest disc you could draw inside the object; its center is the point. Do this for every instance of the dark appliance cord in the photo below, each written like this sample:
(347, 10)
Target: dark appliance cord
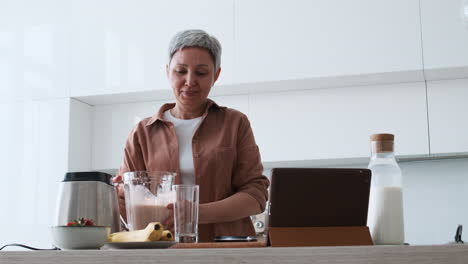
(28, 247)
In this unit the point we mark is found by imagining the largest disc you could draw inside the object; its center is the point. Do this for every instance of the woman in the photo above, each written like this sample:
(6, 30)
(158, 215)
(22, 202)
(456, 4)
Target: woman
(204, 143)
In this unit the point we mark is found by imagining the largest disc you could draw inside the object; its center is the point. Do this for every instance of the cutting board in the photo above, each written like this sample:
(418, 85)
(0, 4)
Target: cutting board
(221, 245)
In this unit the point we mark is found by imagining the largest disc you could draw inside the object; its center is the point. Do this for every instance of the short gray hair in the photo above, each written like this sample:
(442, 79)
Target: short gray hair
(196, 38)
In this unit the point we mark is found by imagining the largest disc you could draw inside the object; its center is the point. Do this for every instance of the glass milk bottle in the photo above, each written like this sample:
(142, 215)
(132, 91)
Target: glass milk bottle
(385, 217)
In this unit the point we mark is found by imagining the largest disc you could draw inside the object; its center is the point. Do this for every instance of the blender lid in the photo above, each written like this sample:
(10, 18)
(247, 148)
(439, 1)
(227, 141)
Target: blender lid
(88, 176)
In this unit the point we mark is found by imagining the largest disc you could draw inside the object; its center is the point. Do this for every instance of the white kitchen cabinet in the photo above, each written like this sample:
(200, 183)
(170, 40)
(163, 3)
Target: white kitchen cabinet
(33, 164)
(278, 40)
(238, 102)
(444, 39)
(111, 126)
(448, 116)
(337, 123)
(18, 179)
(80, 136)
(34, 49)
(51, 161)
(121, 46)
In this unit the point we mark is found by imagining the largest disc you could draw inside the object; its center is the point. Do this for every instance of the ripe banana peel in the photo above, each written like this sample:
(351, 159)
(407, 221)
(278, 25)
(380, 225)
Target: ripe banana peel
(167, 236)
(152, 232)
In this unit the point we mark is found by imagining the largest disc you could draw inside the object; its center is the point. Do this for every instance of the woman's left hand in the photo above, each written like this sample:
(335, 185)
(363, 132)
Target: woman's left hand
(118, 183)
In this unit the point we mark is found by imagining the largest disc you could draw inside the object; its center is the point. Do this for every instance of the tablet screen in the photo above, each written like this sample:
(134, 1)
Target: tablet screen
(314, 197)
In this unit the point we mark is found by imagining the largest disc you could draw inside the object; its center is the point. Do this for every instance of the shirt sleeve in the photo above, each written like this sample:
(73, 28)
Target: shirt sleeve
(248, 171)
(133, 157)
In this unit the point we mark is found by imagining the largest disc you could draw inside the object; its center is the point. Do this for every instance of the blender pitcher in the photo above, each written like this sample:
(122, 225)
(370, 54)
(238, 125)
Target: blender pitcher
(147, 195)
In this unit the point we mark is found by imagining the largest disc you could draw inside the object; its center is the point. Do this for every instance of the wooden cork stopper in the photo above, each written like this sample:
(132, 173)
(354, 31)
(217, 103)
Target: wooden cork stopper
(382, 137)
(382, 142)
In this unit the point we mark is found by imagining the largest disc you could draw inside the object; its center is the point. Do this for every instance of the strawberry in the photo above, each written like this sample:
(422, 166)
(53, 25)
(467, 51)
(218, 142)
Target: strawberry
(88, 222)
(81, 222)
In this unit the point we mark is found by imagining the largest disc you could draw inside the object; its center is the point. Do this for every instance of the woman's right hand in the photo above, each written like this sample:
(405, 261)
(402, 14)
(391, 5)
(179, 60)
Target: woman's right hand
(120, 195)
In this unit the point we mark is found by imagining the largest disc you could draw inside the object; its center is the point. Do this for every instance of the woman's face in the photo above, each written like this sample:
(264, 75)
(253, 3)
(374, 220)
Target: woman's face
(191, 75)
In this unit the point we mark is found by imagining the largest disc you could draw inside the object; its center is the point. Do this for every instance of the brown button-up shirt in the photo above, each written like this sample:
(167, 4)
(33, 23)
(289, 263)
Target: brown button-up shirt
(226, 160)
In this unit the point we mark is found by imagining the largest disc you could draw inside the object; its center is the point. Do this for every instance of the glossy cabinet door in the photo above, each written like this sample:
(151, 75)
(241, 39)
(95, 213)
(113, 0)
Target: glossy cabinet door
(50, 156)
(238, 102)
(337, 123)
(34, 160)
(111, 125)
(80, 135)
(121, 46)
(448, 116)
(445, 38)
(278, 40)
(34, 50)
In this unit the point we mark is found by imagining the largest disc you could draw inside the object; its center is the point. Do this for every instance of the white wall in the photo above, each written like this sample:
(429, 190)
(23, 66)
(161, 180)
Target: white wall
(434, 200)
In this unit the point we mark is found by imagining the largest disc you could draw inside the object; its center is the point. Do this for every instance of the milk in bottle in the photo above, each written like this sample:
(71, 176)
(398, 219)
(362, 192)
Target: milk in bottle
(385, 217)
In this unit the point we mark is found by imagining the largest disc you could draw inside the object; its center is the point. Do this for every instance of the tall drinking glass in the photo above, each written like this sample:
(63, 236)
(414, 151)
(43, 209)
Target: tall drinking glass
(186, 213)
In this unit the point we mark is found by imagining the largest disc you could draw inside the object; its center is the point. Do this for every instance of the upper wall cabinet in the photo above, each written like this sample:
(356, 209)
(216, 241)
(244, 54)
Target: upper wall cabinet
(448, 116)
(278, 40)
(445, 39)
(336, 123)
(34, 50)
(121, 46)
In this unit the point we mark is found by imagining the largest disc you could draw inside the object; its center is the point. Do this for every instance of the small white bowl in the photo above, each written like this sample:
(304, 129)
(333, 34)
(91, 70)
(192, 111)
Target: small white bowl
(76, 237)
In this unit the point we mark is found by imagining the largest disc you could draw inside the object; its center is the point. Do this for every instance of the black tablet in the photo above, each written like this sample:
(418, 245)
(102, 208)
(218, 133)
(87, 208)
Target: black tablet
(317, 197)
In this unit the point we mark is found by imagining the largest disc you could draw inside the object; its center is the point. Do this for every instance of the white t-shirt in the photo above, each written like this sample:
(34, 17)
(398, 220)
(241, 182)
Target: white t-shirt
(184, 131)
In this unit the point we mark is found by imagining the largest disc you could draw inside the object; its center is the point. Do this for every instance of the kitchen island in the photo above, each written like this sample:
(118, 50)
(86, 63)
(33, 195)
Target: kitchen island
(361, 254)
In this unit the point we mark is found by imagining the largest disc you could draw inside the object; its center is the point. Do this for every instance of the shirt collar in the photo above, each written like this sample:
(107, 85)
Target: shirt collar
(160, 114)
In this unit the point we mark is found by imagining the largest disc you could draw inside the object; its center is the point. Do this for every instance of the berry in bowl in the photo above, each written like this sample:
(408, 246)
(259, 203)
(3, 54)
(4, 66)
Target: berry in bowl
(80, 234)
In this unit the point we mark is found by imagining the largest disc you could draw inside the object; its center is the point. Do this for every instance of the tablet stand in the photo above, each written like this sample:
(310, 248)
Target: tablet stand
(319, 236)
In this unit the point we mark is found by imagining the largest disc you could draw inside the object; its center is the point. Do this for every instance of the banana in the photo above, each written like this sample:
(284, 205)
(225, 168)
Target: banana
(152, 232)
(167, 236)
(156, 233)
